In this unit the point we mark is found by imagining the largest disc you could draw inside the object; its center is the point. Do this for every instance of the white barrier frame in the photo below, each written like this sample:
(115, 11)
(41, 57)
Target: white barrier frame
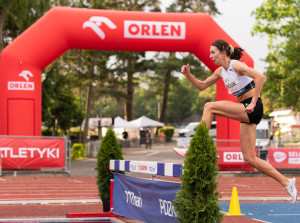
(153, 168)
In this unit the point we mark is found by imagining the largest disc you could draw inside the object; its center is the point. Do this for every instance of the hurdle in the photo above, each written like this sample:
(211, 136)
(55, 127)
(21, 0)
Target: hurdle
(141, 201)
(147, 200)
(153, 168)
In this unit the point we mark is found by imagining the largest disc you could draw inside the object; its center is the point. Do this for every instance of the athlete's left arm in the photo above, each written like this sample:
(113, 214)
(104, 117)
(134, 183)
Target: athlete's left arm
(258, 78)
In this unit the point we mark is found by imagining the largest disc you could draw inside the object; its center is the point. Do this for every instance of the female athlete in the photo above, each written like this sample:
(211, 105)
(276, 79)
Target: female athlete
(246, 84)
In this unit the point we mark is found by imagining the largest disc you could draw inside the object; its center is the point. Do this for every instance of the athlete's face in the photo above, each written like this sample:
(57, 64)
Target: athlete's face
(216, 55)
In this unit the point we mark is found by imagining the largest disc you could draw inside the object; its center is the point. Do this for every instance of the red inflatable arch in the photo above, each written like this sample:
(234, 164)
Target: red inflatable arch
(63, 28)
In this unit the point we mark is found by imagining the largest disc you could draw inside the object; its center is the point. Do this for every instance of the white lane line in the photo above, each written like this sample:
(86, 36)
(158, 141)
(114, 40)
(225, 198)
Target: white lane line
(282, 214)
(97, 219)
(2, 179)
(77, 181)
(261, 220)
(258, 198)
(52, 201)
(153, 153)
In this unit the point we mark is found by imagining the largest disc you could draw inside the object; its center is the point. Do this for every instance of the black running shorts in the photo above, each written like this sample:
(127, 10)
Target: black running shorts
(257, 114)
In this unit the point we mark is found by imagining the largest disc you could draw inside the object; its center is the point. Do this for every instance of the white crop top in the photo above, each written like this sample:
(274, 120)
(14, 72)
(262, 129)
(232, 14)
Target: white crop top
(237, 85)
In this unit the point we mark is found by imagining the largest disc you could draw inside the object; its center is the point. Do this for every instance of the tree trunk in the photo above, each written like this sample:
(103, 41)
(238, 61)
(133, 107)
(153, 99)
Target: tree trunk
(129, 98)
(165, 97)
(166, 92)
(80, 134)
(87, 111)
(130, 90)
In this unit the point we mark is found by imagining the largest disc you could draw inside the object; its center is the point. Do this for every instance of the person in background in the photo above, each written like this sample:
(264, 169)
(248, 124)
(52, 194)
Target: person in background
(148, 139)
(125, 135)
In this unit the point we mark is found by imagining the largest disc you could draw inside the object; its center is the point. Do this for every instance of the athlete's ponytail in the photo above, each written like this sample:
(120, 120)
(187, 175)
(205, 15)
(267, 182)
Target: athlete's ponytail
(233, 53)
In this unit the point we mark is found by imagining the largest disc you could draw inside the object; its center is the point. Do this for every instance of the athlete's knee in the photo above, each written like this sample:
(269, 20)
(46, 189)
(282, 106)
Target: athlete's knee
(249, 160)
(208, 106)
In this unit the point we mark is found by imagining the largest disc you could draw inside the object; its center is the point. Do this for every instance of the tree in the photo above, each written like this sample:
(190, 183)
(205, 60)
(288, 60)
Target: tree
(59, 104)
(127, 64)
(180, 6)
(208, 6)
(197, 198)
(17, 16)
(130, 62)
(110, 149)
(4, 9)
(280, 21)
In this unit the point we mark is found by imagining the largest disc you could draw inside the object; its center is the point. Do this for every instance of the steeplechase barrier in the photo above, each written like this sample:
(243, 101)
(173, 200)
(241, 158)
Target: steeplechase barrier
(146, 200)
(154, 168)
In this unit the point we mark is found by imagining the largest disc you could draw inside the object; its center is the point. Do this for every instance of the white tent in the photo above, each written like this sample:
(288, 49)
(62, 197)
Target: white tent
(122, 123)
(146, 122)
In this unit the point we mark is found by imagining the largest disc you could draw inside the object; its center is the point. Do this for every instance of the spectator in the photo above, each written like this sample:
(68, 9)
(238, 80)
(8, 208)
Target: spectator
(148, 139)
(125, 135)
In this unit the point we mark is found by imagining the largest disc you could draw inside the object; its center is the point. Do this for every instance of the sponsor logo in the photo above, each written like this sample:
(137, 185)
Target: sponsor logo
(294, 154)
(279, 156)
(140, 167)
(154, 30)
(167, 208)
(133, 199)
(24, 152)
(21, 85)
(132, 167)
(236, 157)
(294, 160)
(25, 74)
(95, 22)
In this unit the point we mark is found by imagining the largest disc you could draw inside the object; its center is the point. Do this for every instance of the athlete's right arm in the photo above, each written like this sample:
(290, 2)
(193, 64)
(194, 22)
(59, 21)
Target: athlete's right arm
(201, 85)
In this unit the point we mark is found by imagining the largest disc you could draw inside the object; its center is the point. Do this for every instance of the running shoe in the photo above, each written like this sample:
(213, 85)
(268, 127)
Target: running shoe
(180, 151)
(291, 189)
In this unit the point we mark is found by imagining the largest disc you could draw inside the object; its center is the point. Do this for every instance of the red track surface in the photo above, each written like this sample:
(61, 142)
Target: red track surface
(84, 188)
(47, 188)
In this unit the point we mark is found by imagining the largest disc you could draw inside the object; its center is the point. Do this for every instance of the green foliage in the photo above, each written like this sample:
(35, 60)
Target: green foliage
(110, 149)
(197, 198)
(208, 6)
(280, 21)
(58, 100)
(168, 132)
(78, 151)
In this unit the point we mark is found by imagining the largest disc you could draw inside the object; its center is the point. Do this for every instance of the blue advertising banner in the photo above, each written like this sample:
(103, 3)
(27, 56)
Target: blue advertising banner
(145, 200)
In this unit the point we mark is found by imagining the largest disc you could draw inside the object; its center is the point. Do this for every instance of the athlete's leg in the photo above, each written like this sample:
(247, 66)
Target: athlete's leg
(228, 109)
(247, 140)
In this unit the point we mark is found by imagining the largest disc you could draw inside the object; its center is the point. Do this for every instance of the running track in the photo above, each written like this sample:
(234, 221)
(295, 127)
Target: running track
(28, 197)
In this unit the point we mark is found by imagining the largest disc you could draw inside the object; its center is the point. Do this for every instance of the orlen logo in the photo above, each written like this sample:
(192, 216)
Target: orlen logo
(96, 21)
(21, 85)
(279, 156)
(235, 157)
(154, 30)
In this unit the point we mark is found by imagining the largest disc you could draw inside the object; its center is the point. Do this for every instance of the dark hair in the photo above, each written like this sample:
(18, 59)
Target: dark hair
(223, 45)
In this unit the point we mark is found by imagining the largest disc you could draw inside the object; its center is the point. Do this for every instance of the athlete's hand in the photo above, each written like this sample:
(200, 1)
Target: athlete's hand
(185, 69)
(250, 108)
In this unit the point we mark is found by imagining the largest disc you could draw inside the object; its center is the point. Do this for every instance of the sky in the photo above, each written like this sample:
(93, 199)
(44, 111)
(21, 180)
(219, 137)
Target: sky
(236, 20)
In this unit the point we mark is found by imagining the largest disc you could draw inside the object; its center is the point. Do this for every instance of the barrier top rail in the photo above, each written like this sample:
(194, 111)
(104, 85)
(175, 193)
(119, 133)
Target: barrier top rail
(154, 168)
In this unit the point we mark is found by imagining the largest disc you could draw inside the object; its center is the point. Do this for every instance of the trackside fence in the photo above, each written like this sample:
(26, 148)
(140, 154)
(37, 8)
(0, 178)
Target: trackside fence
(34, 153)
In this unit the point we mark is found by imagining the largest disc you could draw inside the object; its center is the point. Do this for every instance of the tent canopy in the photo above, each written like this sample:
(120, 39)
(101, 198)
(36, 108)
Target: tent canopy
(146, 122)
(122, 123)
